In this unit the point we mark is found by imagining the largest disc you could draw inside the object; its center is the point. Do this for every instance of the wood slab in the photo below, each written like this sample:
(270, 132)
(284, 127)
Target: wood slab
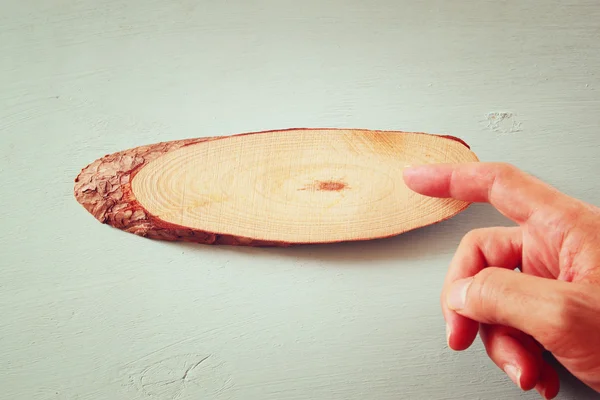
(272, 188)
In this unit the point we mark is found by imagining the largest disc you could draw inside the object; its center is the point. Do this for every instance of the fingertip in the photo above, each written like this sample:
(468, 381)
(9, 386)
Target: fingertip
(411, 172)
(509, 353)
(461, 332)
(524, 375)
(428, 179)
(417, 172)
(530, 374)
(548, 385)
(514, 373)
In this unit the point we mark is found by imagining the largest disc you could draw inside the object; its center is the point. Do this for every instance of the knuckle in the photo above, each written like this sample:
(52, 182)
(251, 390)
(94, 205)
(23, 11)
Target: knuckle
(572, 213)
(558, 326)
(571, 313)
(474, 236)
(504, 169)
(505, 172)
(470, 237)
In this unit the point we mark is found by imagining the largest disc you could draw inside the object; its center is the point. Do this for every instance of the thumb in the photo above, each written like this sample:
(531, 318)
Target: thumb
(504, 297)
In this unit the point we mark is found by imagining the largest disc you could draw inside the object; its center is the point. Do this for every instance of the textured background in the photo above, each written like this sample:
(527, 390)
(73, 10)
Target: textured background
(88, 312)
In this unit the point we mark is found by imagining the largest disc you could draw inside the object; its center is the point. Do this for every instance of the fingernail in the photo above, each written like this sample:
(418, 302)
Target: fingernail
(458, 294)
(545, 394)
(412, 169)
(448, 334)
(514, 374)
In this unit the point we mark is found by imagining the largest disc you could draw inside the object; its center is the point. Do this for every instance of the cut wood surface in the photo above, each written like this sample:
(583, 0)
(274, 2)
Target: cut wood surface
(277, 188)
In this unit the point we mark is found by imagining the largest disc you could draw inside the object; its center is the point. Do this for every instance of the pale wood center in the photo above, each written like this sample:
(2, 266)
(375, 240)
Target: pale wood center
(298, 186)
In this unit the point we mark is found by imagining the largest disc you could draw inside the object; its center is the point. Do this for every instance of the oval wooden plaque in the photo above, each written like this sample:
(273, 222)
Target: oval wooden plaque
(273, 188)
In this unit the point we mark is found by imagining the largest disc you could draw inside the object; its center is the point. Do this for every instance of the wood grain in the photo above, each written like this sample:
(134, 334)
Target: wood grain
(274, 188)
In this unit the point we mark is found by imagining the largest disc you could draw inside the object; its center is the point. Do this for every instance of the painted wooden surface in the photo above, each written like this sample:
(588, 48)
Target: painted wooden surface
(88, 312)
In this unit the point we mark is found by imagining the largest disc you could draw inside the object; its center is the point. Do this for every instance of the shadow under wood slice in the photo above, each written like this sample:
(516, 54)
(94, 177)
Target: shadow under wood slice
(272, 188)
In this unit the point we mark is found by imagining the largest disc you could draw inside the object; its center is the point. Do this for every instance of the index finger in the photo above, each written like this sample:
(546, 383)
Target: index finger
(512, 192)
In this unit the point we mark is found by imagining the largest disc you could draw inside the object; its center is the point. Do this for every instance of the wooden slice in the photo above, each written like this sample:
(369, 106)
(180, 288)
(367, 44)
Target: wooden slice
(271, 188)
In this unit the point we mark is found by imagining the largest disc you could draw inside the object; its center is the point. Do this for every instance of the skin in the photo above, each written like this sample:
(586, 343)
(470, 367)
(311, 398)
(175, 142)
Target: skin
(526, 289)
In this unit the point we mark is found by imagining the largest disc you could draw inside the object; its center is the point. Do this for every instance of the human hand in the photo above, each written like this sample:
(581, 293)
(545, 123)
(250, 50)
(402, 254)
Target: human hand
(552, 305)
